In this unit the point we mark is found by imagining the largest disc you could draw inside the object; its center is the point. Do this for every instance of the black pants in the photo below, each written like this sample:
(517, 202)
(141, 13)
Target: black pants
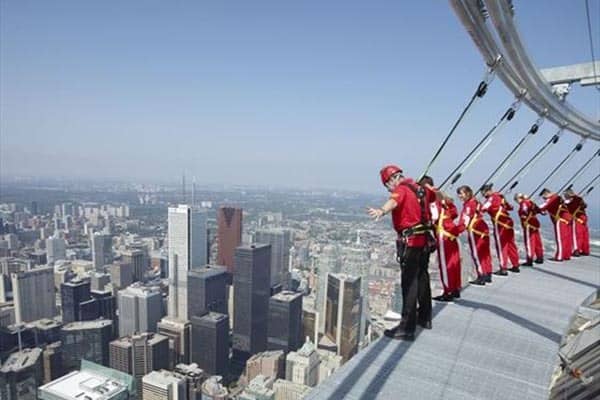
(415, 287)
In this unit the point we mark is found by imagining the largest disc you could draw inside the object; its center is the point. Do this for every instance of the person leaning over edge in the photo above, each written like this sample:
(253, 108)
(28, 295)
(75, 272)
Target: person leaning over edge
(409, 206)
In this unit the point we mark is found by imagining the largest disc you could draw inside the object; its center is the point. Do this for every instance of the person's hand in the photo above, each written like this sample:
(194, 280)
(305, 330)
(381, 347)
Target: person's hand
(375, 213)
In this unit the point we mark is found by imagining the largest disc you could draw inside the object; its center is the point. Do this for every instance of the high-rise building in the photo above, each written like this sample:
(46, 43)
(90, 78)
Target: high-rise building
(343, 313)
(194, 377)
(286, 390)
(187, 248)
(55, 249)
(99, 281)
(310, 323)
(251, 283)
(179, 334)
(268, 363)
(52, 361)
(285, 321)
(101, 304)
(207, 285)
(260, 387)
(140, 309)
(72, 294)
(210, 343)
(280, 242)
(357, 263)
(101, 250)
(303, 366)
(330, 362)
(329, 262)
(163, 385)
(121, 275)
(21, 374)
(137, 259)
(229, 236)
(33, 294)
(138, 355)
(85, 340)
(212, 389)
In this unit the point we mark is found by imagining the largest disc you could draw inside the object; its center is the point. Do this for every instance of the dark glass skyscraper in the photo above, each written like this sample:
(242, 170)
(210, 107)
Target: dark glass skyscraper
(251, 282)
(343, 311)
(72, 294)
(210, 343)
(207, 288)
(285, 321)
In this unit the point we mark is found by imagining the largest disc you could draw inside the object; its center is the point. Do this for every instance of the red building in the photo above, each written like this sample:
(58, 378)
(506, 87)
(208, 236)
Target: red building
(229, 235)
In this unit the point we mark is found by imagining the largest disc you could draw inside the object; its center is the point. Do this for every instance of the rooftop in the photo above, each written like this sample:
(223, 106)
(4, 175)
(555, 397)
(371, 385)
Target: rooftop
(496, 342)
(21, 360)
(79, 385)
(99, 323)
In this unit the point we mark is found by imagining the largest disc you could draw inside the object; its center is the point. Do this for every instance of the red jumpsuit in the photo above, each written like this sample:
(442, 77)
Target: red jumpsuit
(478, 234)
(503, 226)
(579, 227)
(531, 230)
(561, 218)
(443, 215)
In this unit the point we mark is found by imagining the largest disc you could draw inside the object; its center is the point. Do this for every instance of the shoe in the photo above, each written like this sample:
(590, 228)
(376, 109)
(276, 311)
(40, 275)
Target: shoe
(554, 260)
(444, 297)
(456, 294)
(487, 278)
(403, 335)
(515, 269)
(576, 253)
(539, 261)
(425, 325)
(479, 281)
(501, 272)
(527, 264)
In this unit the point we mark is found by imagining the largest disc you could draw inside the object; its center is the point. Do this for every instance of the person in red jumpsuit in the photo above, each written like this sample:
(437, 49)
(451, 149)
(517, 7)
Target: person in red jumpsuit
(531, 229)
(579, 225)
(478, 235)
(503, 227)
(561, 219)
(409, 205)
(443, 214)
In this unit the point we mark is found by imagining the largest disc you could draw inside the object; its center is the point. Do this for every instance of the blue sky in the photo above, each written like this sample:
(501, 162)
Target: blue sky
(305, 93)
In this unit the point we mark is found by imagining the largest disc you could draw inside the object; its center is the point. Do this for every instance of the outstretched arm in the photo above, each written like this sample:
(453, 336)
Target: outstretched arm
(377, 213)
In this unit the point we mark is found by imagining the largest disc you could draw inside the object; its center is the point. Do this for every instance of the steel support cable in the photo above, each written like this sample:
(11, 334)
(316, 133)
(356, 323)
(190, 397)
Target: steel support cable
(483, 143)
(568, 184)
(590, 36)
(479, 93)
(500, 168)
(589, 185)
(559, 166)
(529, 164)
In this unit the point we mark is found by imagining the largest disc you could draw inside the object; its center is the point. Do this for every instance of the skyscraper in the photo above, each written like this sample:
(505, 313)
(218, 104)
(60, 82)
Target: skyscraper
(303, 366)
(33, 294)
(138, 355)
(137, 259)
(163, 385)
(187, 248)
(72, 294)
(85, 340)
(251, 283)
(21, 374)
(208, 287)
(121, 275)
(285, 321)
(140, 309)
(343, 313)
(179, 333)
(101, 250)
(55, 249)
(329, 262)
(280, 242)
(210, 343)
(229, 234)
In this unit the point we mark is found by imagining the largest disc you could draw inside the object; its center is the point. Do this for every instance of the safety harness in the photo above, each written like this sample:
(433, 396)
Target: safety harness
(424, 225)
(440, 226)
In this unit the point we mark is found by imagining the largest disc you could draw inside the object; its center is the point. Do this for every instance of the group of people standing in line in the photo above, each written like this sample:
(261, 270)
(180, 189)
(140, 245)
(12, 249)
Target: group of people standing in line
(426, 219)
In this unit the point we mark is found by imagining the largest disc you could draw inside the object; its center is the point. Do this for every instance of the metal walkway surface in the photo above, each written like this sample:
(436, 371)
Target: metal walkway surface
(496, 342)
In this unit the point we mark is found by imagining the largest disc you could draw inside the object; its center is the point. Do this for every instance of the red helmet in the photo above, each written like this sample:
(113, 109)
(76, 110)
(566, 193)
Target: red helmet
(388, 171)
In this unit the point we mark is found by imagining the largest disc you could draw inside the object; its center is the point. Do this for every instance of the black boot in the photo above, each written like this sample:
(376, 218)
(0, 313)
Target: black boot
(539, 260)
(479, 281)
(487, 278)
(501, 272)
(515, 269)
(444, 297)
(456, 294)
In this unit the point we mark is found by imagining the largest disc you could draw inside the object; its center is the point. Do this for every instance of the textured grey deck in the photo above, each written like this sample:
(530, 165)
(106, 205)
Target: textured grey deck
(497, 342)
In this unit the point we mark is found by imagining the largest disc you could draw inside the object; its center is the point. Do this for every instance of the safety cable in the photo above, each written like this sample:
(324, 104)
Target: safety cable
(498, 171)
(589, 185)
(555, 170)
(529, 164)
(485, 141)
(479, 93)
(579, 172)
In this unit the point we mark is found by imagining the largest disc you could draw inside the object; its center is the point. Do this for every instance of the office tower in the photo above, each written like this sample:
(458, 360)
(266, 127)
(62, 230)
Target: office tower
(140, 309)
(280, 242)
(138, 355)
(343, 313)
(251, 283)
(55, 249)
(21, 374)
(329, 262)
(33, 294)
(303, 366)
(286, 390)
(163, 385)
(137, 259)
(72, 294)
(229, 236)
(210, 343)
(99, 281)
(179, 334)
(187, 249)
(52, 361)
(268, 363)
(101, 304)
(91, 382)
(309, 324)
(213, 389)
(85, 340)
(45, 331)
(357, 263)
(194, 378)
(121, 275)
(207, 285)
(101, 250)
(285, 321)
(330, 362)
(258, 388)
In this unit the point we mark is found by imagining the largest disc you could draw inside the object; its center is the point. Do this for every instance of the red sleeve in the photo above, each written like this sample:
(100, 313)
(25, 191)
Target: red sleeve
(398, 195)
